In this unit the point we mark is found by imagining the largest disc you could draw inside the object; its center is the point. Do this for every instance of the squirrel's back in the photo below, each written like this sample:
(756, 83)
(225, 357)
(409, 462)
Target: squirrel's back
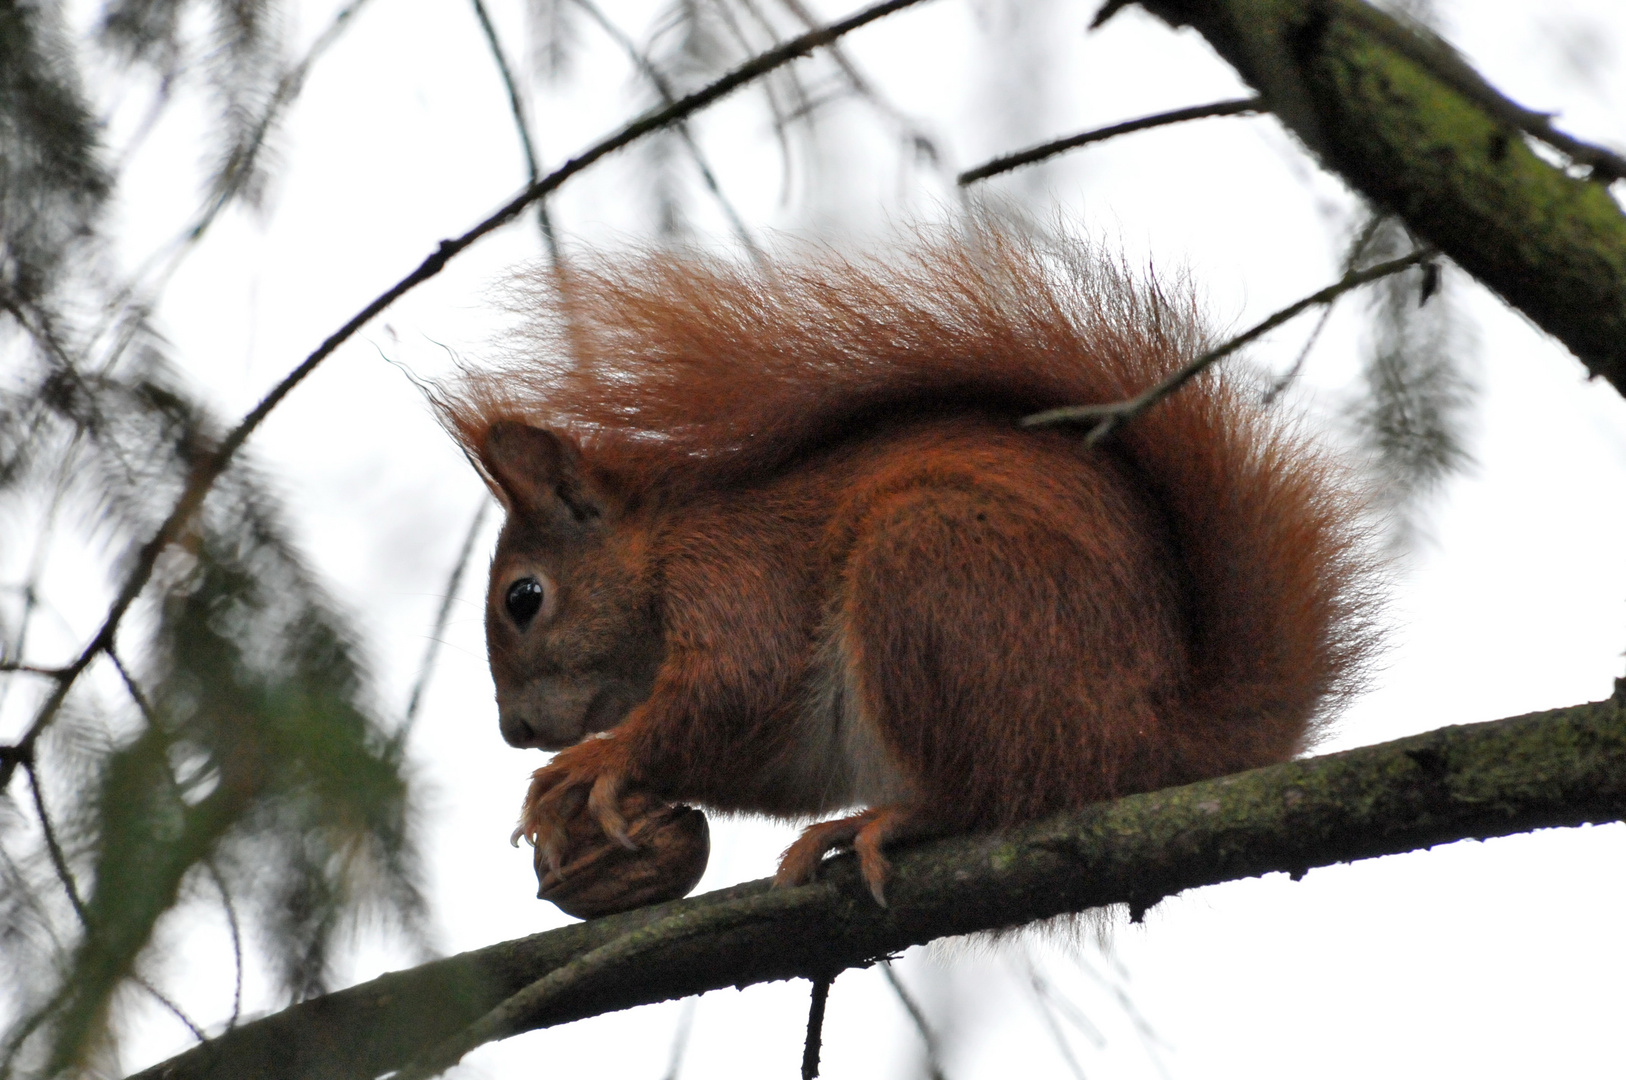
(682, 374)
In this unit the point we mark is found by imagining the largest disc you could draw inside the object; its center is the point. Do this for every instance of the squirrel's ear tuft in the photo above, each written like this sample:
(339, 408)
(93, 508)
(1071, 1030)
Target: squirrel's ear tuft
(536, 472)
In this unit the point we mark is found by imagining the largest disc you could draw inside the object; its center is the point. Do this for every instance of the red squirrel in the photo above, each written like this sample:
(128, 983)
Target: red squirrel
(778, 541)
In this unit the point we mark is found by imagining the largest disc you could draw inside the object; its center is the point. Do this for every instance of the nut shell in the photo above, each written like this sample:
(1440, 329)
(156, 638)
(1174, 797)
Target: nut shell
(599, 876)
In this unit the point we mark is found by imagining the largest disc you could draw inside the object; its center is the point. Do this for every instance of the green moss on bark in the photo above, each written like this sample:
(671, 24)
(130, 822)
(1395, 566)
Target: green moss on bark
(1369, 99)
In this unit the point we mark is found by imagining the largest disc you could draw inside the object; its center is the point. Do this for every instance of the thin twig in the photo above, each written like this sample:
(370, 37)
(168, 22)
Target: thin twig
(60, 863)
(1037, 986)
(431, 652)
(1150, 1040)
(680, 1038)
(1239, 107)
(532, 170)
(663, 87)
(131, 688)
(781, 121)
(934, 1057)
(176, 1010)
(514, 1014)
(1109, 417)
(237, 172)
(209, 466)
(918, 138)
(1352, 257)
(1290, 376)
(236, 940)
(33, 669)
(814, 1042)
(1069, 1011)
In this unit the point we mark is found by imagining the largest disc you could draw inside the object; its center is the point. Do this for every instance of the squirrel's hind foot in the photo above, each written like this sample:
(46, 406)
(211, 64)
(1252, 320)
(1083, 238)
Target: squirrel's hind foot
(865, 833)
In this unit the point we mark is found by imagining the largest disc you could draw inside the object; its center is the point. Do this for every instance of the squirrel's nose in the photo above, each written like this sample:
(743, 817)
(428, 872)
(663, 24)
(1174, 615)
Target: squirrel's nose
(517, 731)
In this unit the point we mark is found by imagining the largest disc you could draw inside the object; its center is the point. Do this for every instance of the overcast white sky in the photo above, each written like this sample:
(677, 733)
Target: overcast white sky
(1497, 959)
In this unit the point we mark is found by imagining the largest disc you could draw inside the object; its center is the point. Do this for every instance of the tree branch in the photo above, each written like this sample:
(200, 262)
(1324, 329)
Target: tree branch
(1403, 119)
(1566, 767)
(1112, 415)
(1009, 162)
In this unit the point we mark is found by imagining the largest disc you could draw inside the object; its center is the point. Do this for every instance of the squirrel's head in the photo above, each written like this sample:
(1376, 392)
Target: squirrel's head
(572, 625)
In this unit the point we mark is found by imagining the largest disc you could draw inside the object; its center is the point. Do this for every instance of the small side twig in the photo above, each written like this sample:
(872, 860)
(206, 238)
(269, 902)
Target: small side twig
(53, 846)
(814, 1043)
(934, 1057)
(1042, 999)
(917, 137)
(663, 88)
(1110, 417)
(14, 667)
(132, 688)
(522, 124)
(236, 940)
(1008, 162)
(1357, 249)
(680, 1038)
(60, 863)
(1150, 1040)
(426, 666)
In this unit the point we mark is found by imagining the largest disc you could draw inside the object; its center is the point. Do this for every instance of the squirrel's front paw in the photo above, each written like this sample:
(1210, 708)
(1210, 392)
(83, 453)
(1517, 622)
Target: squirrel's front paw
(588, 775)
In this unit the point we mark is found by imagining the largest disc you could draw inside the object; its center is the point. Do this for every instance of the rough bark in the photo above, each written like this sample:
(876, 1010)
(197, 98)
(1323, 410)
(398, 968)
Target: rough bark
(1408, 124)
(1560, 768)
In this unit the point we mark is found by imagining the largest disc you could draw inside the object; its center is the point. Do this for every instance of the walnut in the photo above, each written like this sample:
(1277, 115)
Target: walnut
(599, 876)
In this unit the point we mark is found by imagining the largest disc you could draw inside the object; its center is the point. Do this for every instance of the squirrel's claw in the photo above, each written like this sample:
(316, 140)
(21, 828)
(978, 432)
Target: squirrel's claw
(604, 803)
(581, 775)
(866, 833)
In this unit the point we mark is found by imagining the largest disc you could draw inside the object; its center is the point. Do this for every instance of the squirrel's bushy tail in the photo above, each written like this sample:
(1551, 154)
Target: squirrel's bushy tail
(678, 371)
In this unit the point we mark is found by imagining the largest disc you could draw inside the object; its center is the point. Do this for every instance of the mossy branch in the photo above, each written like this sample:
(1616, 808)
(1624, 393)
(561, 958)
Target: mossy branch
(1409, 124)
(1566, 767)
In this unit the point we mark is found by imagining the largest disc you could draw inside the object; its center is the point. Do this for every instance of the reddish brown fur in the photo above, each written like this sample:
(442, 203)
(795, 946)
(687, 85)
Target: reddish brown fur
(816, 485)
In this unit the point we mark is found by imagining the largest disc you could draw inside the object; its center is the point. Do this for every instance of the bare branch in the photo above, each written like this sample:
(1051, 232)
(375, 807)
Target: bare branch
(1109, 417)
(680, 1038)
(1239, 107)
(917, 137)
(812, 1045)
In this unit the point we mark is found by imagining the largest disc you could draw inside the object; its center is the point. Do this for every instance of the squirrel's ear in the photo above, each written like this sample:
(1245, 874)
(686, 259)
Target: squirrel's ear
(537, 473)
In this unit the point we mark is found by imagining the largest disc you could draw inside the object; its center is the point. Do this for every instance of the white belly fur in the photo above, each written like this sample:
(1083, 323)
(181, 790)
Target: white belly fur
(838, 758)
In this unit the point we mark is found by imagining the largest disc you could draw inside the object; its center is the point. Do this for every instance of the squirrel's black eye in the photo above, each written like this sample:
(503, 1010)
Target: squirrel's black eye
(524, 600)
